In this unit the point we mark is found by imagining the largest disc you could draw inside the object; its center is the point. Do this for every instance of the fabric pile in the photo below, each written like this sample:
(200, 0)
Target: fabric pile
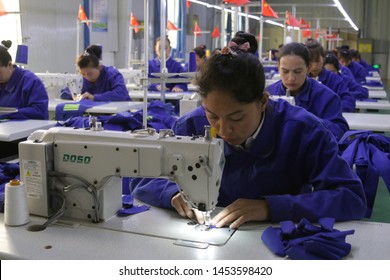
(306, 241)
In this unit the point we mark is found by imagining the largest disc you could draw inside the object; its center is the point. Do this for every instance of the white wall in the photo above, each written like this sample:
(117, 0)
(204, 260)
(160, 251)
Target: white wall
(49, 28)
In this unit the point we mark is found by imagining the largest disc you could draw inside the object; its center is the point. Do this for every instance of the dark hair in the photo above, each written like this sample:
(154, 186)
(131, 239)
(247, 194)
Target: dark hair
(346, 54)
(90, 57)
(242, 37)
(295, 49)
(5, 57)
(333, 60)
(239, 73)
(167, 40)
(315, 49)
(200, 51)
(355, 54)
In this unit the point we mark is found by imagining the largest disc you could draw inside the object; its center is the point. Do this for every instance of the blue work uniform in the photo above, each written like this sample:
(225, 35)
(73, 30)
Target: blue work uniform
(358, 91)
(367, 66)
(172, 67)
(110, 86)
(358, 71)
(319, 100)
(293, 164)
(336, 83)
(346, 72)
(26, 92)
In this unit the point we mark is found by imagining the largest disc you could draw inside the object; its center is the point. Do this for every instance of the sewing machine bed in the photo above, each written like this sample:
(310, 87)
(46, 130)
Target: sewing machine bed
(165, 223)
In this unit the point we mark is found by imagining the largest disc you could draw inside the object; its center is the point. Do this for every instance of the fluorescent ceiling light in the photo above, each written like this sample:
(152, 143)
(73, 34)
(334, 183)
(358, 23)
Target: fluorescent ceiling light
(231, 11)
(346, 16)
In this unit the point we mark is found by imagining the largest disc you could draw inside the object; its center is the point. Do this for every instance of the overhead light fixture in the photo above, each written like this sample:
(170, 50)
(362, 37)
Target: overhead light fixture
(231, 11)
(346, 16)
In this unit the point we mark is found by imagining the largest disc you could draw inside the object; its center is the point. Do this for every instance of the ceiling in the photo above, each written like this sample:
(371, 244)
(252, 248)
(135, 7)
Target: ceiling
(318, 12)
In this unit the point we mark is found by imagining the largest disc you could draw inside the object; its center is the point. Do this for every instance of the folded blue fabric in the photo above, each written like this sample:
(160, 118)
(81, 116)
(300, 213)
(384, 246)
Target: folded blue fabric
(306, 241)
(128, 207)
(70, 109)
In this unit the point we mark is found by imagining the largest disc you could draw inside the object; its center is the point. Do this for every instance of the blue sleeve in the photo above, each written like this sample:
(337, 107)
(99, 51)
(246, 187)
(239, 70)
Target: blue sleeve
(157, 192)
(334, 119)
(177, 68)
(35, 100)
(335, 82)
(357, 90)
(359, 72)
(153, 68)
(348, 102)
(116, 90)
(336, 190)
(327, 106)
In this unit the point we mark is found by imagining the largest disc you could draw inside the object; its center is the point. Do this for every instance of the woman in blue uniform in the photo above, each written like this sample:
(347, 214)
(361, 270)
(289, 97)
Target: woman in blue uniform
(294, 65)
(100, 82)
(358, 71)
(331, 63)
(331, 80)
(21, 89)
(171, 65)
(282, 163)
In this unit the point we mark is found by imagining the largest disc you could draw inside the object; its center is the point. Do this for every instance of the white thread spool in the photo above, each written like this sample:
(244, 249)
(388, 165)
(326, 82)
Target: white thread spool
(15, 204)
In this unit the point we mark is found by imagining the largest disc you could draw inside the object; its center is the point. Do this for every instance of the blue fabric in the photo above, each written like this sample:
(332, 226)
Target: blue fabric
(319, 100)
(110, 86)
(336, 83)
(191, 123)
(358, 71)
(367, 66)
(172, 67)
(26, 92)
(369, 154)
(158, 118)
(129, 208)
(291, 142)
(67, 110)
(356, 89)
(65, 94)
(346, 72)
(307, 241)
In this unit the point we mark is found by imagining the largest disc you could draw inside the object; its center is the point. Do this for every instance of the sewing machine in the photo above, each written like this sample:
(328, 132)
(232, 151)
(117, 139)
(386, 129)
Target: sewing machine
(86, 166)
(289, 98)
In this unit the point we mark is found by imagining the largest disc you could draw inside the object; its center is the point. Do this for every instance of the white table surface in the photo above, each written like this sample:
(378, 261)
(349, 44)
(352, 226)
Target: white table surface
(139, 94)
(370, 241)
(375, 88)
(376, 105)
(16, 130)
(377, 94)
(105, 108)
(367, 121)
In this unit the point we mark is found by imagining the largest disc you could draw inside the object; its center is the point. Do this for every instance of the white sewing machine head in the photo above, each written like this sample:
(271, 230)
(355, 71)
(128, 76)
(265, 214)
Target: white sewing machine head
(86, 166)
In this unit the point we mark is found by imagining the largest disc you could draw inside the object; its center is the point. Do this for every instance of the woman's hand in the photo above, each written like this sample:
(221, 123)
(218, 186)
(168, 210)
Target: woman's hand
(241, 211)
(177, 89)
(87, 95)
(182, 208)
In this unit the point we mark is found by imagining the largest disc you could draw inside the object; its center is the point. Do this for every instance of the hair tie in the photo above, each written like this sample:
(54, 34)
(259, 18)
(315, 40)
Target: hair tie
(86, 53)
(227, 51)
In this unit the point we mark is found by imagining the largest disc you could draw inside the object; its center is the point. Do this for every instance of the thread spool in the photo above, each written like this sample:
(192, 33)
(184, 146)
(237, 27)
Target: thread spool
(192, 62)
(15, 204)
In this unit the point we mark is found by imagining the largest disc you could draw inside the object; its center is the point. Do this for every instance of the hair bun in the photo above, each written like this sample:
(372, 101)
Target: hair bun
(6, 43)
